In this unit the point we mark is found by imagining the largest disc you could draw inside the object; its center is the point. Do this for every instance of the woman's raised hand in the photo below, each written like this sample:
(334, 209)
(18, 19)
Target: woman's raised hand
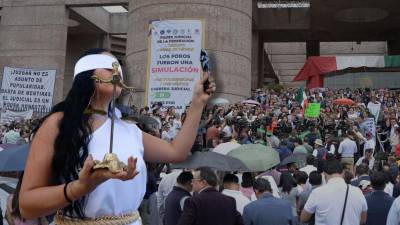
(201, 96)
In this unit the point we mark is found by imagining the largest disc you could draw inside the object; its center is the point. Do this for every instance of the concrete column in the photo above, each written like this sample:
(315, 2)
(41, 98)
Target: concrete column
(33, 35)
(228, 35)
(77, 44)
(255, 60)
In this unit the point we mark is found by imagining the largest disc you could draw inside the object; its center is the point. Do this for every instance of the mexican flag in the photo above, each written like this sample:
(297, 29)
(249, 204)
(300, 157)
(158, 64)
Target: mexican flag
(301, 98)
(317, 65)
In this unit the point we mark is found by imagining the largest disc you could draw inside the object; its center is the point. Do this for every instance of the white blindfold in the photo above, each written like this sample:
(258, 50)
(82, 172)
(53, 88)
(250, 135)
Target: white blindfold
(92, 62)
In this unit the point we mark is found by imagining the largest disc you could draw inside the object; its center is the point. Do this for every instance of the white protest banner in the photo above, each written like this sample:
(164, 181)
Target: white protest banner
(374, 109)
(9, 116)
(368, 126)
(27, 89)
(174, 62)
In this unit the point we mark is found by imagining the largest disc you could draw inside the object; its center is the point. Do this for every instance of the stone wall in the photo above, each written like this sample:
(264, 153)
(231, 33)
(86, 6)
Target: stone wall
(228, 40)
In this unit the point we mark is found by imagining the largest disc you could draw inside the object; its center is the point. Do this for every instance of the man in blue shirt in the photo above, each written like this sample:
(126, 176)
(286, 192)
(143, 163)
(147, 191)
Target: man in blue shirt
(267, 210)
(362, 172)
(378, 201)
(283, 150)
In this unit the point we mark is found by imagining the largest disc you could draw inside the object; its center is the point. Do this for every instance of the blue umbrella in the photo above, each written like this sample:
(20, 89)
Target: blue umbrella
(14, 158)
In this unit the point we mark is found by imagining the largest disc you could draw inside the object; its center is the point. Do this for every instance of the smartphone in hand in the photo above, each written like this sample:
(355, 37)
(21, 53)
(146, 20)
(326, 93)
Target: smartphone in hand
(205, 65)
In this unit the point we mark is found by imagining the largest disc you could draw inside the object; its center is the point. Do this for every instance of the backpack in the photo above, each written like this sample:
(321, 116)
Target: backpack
(321, 153)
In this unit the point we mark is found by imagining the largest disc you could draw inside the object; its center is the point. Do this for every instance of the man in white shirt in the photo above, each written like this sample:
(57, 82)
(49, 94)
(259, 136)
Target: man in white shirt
(12, 136)
(374, 107)
(156, 116)
(166, 134)
(369, 142)
(347, 148)
(166, 185)
(393, 126)
(232, 189)
(308, 169)
(310, 165)
(393, 217)
(394, 139)
(327, 202)
(367, 157)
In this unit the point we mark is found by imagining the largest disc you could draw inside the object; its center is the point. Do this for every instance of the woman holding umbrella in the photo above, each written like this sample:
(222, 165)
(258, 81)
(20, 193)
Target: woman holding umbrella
(59, 173)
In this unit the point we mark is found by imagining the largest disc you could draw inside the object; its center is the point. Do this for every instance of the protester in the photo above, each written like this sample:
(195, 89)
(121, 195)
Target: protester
(368, 158)
(273, 139)
(347, 149)
(320, 151)
(232, 188)
(378, 201)
(341, 132)
(301, 180)
(213, 131)
(164, 188)
(208, 206)
(308, 147)
(289, 191)
(59, 169)
(369, 142)
(267, 209)
(328, 201)
(299, 149)
(151, 187)
(283, 150)
(176, 199)
(13, 135)
(362, 173)
(315, 180)
(347, 175)
(24, 137)
(393, 217)
(394, 139)
(246, 186)
(310, 165)
(166, 132)
(389, 185)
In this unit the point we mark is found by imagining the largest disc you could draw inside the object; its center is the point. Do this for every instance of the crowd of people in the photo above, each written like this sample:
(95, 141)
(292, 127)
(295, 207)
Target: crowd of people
(350, 176)
(17, 132)
(353, 144)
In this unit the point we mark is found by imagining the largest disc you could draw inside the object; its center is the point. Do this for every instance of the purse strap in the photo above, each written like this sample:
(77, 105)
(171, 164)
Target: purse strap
(344, 207)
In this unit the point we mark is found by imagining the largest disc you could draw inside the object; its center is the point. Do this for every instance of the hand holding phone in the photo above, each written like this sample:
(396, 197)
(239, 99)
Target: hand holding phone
(205, 65)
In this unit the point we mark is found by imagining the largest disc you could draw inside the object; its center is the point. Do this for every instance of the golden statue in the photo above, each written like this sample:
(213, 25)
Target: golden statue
(110, 160)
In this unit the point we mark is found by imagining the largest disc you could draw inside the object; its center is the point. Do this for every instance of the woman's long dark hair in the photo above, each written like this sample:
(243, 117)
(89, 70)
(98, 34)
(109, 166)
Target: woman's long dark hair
(15, 199)
(71, 144)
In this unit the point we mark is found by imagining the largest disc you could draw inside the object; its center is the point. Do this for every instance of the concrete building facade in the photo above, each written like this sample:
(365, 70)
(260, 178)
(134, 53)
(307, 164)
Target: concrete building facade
(251, 42)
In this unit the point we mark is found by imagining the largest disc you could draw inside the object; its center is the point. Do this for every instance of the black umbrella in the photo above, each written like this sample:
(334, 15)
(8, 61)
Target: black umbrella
(14, 158)
(298, 158)
(213, 160)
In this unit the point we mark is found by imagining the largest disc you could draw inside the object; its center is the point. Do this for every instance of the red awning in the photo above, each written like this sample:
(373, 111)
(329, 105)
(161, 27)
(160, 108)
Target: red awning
(314, 69)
